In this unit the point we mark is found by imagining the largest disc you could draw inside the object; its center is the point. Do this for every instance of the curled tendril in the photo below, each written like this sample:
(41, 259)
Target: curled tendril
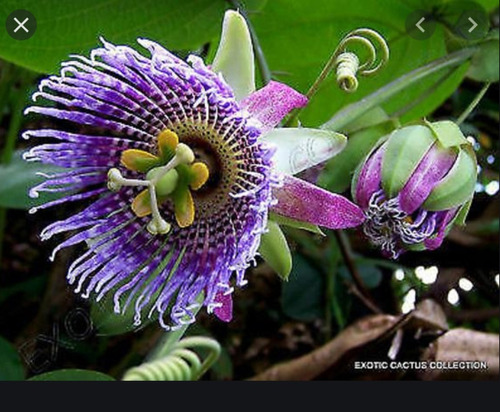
(347, 67)
(347, 63)
(178, 363)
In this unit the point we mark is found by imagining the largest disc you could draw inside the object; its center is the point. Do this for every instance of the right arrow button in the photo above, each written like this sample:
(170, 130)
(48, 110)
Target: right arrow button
(473, 23)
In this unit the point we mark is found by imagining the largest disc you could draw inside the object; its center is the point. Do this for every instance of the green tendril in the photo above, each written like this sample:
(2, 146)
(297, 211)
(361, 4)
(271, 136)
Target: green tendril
(347, 64)
(178, 362)
(347, 67)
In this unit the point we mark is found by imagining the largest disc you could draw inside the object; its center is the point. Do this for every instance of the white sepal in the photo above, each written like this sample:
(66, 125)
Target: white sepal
(299, 149)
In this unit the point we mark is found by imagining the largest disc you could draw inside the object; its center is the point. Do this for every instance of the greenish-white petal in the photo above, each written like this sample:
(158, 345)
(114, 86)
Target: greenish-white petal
(234, 57)
(301, 148)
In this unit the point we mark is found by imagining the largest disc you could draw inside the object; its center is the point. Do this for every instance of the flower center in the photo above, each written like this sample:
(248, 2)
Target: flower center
(205, 153)
(170, 175)
(221, 153)
(387, 226)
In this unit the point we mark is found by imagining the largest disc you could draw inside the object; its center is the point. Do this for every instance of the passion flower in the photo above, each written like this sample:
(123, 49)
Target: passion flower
(182, 164)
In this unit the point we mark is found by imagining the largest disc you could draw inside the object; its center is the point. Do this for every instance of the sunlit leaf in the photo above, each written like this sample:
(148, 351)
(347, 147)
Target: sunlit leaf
(64, 28)
(298, 38)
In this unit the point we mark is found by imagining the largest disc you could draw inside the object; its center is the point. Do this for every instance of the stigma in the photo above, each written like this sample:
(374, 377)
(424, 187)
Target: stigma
(170, 175)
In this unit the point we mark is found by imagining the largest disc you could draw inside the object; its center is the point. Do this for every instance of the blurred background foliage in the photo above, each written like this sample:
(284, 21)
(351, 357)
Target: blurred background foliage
(338, 279)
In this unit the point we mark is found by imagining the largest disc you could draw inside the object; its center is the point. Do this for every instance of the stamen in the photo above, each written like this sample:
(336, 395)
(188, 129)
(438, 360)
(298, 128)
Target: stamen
(390, 228)
(183, 155)
(200, 175)
(139, 160)
(116, 181)
(174, 179)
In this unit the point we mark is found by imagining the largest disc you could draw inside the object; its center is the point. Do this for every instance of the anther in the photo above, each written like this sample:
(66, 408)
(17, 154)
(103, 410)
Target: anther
(158, 226)
(114, 178)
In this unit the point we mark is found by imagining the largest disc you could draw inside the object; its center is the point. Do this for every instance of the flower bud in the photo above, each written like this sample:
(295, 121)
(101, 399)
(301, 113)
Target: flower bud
(414, 185)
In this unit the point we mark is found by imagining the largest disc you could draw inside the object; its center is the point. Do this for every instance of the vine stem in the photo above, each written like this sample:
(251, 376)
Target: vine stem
(351, 112)
(361, 290)
(334, 310)
(472, 105)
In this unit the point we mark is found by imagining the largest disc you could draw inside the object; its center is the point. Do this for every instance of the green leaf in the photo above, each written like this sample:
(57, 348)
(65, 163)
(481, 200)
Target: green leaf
(298, 37)
(303, 295)
(253, 6)
(485, 66)
(372, 117)
(18, 177)
(488, 5)
(369, 274)
(72, 375)
(11, 367)
(275, 251)
(436, 94)
(64, 29)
